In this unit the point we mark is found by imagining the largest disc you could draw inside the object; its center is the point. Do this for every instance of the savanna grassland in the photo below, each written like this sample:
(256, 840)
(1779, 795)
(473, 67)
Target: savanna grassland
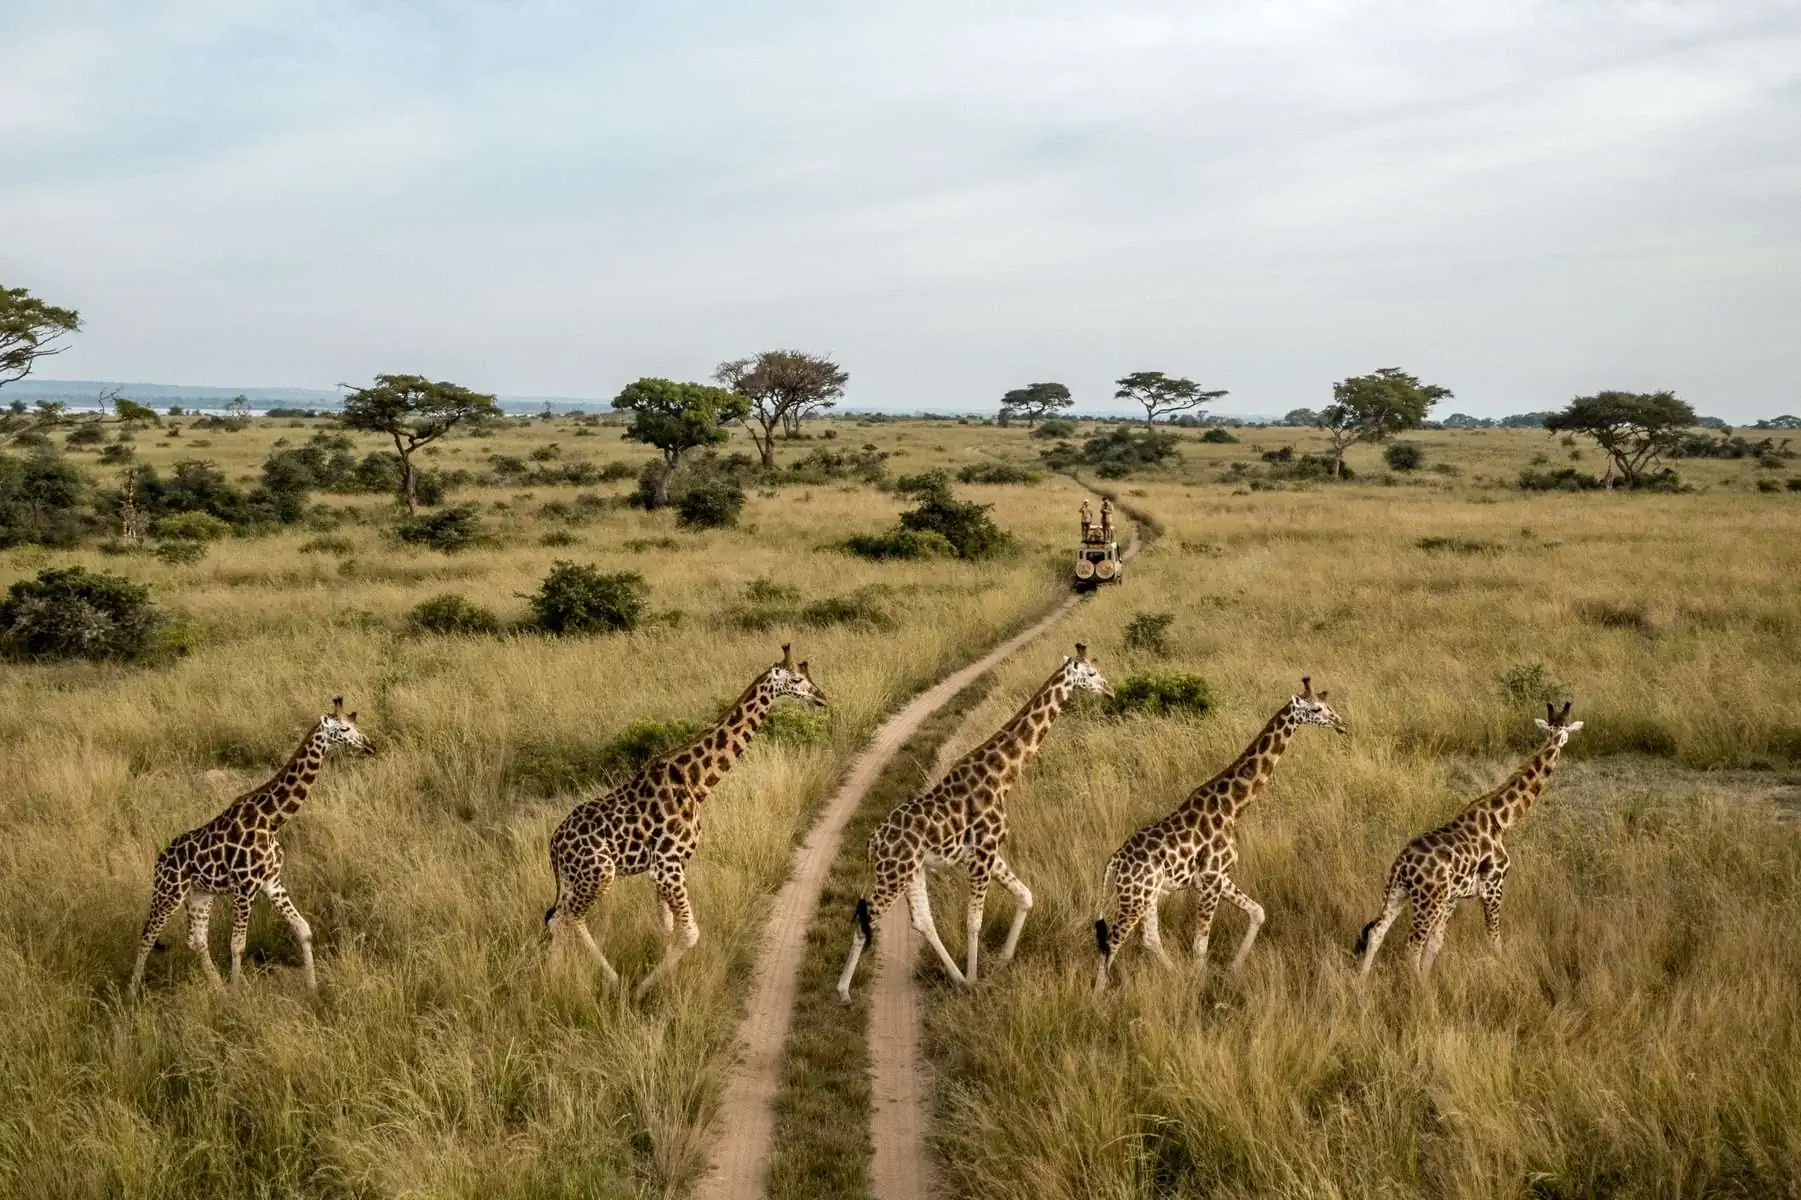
(440, 1056)
(1639, 1033)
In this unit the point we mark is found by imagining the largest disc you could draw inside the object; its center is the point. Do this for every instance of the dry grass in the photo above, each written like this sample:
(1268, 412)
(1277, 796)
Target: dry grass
(1639, 1033)
(441, 1057)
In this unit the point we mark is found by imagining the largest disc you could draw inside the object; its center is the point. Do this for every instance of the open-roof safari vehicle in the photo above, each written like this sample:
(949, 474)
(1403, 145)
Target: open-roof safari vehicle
(1097, 559)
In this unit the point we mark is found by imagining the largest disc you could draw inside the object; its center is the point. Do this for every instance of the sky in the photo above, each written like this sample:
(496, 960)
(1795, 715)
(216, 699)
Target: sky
(1521, 202)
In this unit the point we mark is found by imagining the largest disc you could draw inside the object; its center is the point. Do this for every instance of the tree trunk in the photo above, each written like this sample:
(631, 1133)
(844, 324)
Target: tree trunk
(409, 483)
(1150, 417)
(766, 444)
(660, 499)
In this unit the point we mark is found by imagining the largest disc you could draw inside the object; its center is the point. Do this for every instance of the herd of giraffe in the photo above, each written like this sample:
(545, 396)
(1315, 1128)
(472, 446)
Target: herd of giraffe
(652, 822)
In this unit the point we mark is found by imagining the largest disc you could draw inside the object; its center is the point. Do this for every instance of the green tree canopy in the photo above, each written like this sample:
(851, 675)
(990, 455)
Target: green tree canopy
(1635, 429)
(1370, 408)
(677, 417)
(779, 387)
(413, 410)
(29, 330)
(1035, 402)
(1161, 394)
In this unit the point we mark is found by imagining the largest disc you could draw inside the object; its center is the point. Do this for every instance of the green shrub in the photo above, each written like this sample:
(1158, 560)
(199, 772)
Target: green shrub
(824, 465)
(863, 608)
(86, 435)
(328, 545)
(714, 503)
(1404, 456)
(643, 740)
(1794, 483)
(181, 553)
(547, 453)
(967, 526)
(1163, 694)
(1115, 454)
(997, 472)
(45, 500)
(576, 599)
(1217, 436)
(1768, 485)
(1054, 428)
(450, 613)
(117, 454)
(1564, 479)
(448, 530)
(1529, 683)
(1458, 545)
(1611, 614)
(1148, 631)
(189, 527)
(900, 543)
(559, 539)
(71, 612)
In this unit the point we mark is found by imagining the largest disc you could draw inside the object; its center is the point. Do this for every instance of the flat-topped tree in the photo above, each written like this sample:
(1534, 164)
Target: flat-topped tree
(29, 330)
(1374, 407)
(1635, 429)
(413, 411)
(1161, 395)
(1035, 402)
(778, 388)
(676, 418)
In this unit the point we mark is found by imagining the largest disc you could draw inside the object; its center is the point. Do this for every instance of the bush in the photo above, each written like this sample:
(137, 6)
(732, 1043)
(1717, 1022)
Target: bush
(1564, 479)
(575, 599)
(1404, 456)
(1219, 437)
(1116, 453)
(1794, 483)
(71, 612)
(86, 435)
(712, 504)
(1054, 429)
(1147, 631)
(1457, 545)
(823, 465)
(997, 472)
(378, 473)
(117, 454)
(643, 740)
(863, 609)
(448, 530)
(968, 528)
(44, 500)
(900, 543)
(1529, 683)
(1163, 694)
(450, 613)
(328, 545)
(189, 527)
(1768, 485)
(181, 553)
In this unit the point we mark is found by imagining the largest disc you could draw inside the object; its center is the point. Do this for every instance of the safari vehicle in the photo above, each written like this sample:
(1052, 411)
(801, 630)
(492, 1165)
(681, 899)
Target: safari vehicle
(1098, 562)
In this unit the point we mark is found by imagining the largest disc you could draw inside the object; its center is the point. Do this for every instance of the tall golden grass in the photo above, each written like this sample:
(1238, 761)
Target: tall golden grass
(1638, 1033)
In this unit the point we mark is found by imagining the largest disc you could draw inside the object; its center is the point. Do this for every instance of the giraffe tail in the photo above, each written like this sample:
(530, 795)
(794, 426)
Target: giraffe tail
(1363, 940)
(864, 923)
(1100, 936)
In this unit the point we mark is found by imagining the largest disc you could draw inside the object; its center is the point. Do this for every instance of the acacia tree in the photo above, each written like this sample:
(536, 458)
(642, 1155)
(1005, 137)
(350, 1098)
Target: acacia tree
(29, 330)
(677, 417)
(413, 411)
(780, 388)
(1634, 429)
(1371, 408)
(1035, 402)
(1161, 395)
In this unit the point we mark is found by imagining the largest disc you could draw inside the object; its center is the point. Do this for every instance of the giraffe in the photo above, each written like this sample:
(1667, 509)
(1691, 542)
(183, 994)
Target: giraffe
(236, 854)
(1464, 857)
(1195, 846)
(963, 819)
(652, 822)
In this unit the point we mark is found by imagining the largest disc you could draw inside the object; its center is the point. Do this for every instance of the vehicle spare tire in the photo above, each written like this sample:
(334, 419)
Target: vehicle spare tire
(1084, 569)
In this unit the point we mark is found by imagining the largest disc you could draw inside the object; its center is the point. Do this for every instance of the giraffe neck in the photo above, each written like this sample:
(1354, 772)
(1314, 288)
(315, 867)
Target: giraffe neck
(1514, 798)
(711, 755)
(272, 804)
(1017, 741)
(1237, 785)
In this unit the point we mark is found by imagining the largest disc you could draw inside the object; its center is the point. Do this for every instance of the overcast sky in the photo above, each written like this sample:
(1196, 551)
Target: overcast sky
(1520, 202)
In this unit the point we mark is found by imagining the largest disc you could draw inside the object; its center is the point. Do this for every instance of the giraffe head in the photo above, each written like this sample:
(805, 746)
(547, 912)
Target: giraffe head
(1558, 724)
(1311, 708)
(790, 678)
(339, 728)
(1084, 673)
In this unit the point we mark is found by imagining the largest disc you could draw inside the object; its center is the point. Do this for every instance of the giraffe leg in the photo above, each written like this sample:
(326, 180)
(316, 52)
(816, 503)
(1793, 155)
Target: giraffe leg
(672, 886)
(919, 905)
(574, 901)
(1253, 910)
(303, 933)
(240, 931)
(1022, 900)
(165, 898)
(200, 909)
(1370, 940)
(869, 911)
(1153, 936)
(1207, 892)
(978, 900)
(1428, 921)
(1133, 904)
(1436, 940)
(1492, 887)
(666, 916)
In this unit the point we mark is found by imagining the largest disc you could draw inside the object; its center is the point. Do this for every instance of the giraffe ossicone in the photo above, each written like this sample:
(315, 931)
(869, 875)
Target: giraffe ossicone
(651, 823)
(1464, 858)
(237, 854)
(962, 819)
(1195, 846)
